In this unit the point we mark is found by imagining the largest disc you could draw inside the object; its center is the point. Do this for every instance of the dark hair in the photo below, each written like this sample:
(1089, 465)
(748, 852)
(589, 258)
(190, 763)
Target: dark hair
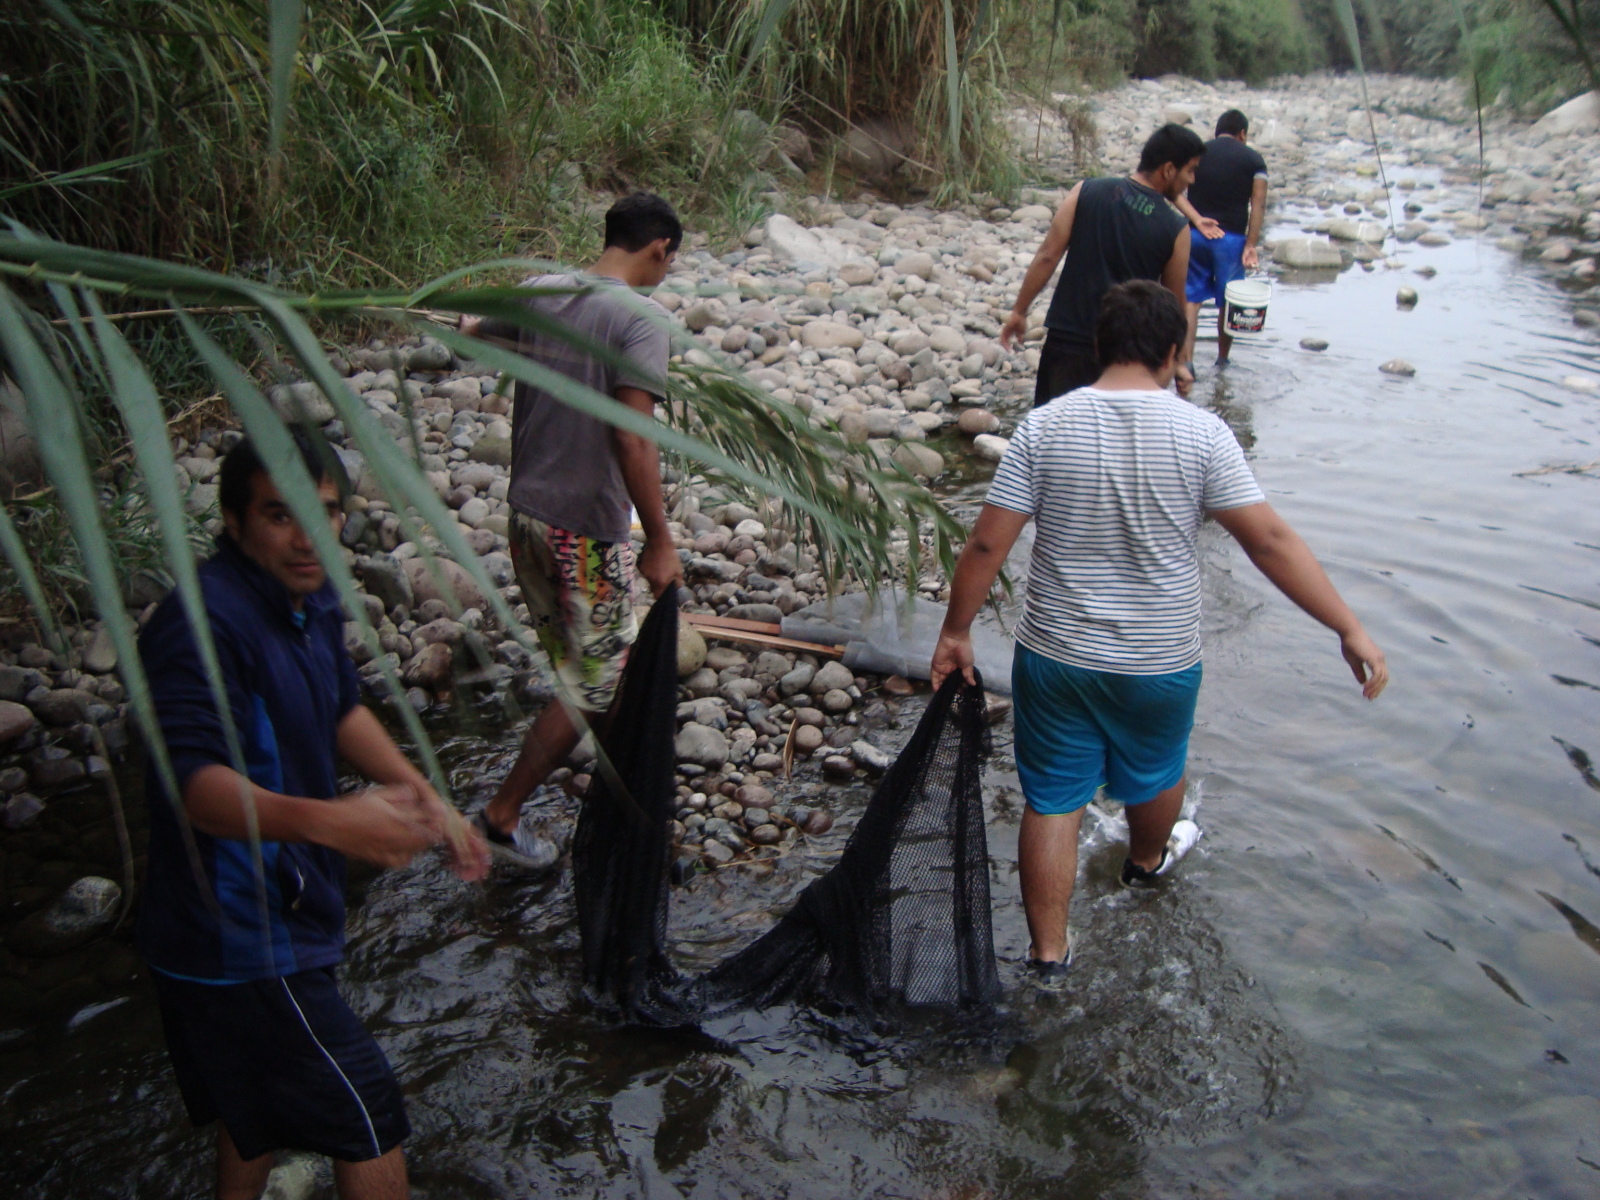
(239, 468)
(637, 220)
(1140, 322)
(1233, 123)
(1170, 144)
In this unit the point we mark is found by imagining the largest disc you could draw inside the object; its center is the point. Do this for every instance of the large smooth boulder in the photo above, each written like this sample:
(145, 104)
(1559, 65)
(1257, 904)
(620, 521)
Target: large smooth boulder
(791, 242)
(1581, 114)
(1357, 231)
(1307, 253)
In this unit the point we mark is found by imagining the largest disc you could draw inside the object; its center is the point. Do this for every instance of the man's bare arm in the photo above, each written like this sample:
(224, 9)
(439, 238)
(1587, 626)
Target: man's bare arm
(1208, 228)
(640, 462)
(993, 534)
(1282, 556)
(1042, 268)
(1258, 216)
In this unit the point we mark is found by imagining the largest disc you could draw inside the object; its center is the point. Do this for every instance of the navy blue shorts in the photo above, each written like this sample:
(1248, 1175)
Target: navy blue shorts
(284, 1064)
(1214, 263)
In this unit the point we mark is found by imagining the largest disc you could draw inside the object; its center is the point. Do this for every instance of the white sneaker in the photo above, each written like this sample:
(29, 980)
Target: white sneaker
(1185, 834)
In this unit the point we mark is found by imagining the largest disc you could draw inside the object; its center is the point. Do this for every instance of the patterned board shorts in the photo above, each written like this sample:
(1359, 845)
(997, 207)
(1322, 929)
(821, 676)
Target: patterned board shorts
(577, 593)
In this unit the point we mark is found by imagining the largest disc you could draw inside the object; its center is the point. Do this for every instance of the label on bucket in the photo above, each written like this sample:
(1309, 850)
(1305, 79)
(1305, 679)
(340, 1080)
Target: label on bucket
(1246, 319)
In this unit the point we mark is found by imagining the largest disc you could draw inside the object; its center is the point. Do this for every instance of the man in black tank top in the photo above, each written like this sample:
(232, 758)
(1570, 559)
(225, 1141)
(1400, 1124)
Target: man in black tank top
(1111, 230)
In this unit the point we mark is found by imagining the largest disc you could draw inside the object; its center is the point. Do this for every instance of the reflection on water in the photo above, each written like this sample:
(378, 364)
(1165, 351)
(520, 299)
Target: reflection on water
(1375, 976)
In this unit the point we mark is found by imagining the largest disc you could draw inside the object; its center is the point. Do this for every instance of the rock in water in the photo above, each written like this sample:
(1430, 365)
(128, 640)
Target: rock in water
(1398, 366)
(1406, 297)
(990, 446)
(1313, 343)
(869, 757)
(1307, 253)
(1580, 383)
(80, 912)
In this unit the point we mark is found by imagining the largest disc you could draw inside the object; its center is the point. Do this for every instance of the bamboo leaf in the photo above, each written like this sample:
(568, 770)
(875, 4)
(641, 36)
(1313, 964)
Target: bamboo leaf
(285, 17)
(17, 555)
(52, 415)
(952, 70)
(140, 407)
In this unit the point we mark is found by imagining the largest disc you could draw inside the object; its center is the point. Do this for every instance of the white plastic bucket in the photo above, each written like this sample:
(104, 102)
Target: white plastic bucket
(1244, 310)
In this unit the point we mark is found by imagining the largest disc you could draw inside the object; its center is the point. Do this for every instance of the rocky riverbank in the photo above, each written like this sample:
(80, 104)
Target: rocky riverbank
(875, 317)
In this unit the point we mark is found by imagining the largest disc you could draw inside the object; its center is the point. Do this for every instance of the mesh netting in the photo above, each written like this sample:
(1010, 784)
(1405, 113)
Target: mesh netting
(903, 918)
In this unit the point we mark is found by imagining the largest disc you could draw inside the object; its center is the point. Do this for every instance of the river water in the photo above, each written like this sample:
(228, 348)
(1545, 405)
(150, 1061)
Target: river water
(1375, 976)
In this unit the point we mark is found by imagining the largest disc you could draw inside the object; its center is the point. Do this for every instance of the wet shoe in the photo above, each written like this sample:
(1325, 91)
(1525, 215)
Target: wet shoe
(523, 847)
(1185, 834)
(1047, 976)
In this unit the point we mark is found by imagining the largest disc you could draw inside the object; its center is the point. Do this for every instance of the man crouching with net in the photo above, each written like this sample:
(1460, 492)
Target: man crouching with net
(1119, 477)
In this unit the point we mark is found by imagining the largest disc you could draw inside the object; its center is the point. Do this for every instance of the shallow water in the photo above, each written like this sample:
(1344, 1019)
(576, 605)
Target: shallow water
(1375, 976)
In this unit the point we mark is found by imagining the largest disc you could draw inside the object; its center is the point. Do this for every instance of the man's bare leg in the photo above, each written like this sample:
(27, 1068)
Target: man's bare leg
(1224, 340)
(375, 1179)
(1150, 825)
(239, 1178)
(1047, 857)
(545, 746)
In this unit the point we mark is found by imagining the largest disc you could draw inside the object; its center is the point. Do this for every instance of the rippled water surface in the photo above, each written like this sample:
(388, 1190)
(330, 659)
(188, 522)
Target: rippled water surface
(1376, 976)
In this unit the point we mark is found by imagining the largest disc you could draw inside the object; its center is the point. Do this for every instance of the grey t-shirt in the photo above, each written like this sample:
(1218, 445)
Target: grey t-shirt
(564, 470)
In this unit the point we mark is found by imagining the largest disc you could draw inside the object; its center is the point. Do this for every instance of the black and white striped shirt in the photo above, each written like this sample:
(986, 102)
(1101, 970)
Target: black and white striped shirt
(1118, 484)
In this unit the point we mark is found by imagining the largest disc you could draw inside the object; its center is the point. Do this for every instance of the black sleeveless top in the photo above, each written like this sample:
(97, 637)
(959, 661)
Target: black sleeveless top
(1121, 230)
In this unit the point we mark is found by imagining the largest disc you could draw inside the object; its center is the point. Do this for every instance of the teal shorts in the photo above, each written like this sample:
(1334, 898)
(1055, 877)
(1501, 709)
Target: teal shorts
(1078, 729)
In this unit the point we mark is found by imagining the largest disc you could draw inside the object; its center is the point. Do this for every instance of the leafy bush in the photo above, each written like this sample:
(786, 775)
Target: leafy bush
(1524, 58)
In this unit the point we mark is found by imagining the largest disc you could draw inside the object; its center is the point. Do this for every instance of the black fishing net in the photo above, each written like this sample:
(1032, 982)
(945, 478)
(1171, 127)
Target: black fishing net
(903, 918)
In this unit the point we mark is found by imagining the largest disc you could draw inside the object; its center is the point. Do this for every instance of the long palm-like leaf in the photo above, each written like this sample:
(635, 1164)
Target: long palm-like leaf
(1477, 91)
(952, 69)
(1352, 34)
(140, 408)
(52, 415)
(285, 17)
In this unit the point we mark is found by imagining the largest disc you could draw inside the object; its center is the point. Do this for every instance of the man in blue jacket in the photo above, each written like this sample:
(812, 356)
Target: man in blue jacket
(241, 948)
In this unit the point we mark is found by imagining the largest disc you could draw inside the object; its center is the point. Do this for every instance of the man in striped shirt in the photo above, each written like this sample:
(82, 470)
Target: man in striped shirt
(1119, 477)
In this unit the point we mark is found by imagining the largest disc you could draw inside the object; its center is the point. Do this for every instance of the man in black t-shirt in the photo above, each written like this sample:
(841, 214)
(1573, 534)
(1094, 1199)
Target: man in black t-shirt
(1226, 205)
(1111, 230)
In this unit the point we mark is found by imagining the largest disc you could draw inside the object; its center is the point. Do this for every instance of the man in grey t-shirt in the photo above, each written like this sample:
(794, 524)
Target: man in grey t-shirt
(573, 478)
(1118, 478)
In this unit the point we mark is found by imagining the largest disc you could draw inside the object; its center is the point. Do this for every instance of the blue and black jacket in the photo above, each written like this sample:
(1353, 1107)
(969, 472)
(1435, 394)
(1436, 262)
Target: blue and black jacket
(289, 683)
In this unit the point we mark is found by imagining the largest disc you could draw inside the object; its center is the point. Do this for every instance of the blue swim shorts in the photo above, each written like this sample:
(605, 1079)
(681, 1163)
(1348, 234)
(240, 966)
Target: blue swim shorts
(1078, 729)
(1213, 265)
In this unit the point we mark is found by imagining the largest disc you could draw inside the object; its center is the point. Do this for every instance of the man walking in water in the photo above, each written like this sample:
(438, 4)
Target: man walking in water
(1119, 477)
(242, 916)
(1226, 204)
(572, 479)
(1111, 230)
